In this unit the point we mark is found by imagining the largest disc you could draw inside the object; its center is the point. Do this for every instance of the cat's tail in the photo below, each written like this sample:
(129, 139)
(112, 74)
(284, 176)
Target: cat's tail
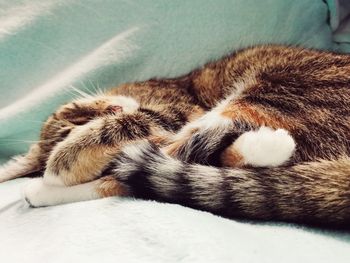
(21, 165)
(311, 193)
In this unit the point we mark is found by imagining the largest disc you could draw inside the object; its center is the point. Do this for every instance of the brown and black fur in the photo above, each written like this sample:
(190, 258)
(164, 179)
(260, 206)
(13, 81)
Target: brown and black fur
(305, 92)
(316, 193)
(165, 107)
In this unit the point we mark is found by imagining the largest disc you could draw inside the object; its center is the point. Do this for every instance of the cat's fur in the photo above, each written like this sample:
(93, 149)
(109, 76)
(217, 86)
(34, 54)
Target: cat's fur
(305, 92)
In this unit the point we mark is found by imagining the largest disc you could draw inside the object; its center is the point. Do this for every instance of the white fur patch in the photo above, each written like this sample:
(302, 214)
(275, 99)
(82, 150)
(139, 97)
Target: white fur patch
(135, 150)
(238, 87)
(53, 179)
(38, 194)
(129, 104)
(265, 147)
(210, 121)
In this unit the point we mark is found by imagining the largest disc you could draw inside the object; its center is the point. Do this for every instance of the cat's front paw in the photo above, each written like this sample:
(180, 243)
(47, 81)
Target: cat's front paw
(265, 147)
(35, 193)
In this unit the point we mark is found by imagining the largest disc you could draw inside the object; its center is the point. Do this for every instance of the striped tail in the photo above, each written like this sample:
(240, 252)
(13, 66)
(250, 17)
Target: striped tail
(315, 193)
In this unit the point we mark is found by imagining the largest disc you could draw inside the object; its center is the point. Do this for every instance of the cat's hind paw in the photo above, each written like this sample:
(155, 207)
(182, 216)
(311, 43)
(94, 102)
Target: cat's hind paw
(265, 147)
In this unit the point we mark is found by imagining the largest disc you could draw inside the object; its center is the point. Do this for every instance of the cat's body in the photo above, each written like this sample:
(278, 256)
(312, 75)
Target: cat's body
(165, 105)
(305, 92)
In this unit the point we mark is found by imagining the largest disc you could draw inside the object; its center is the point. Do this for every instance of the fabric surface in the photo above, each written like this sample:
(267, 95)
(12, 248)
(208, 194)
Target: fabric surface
(49, 47)
(339, 11)
(124, 230)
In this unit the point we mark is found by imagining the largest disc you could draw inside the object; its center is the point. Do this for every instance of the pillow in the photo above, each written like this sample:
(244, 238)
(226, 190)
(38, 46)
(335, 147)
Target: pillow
(339, 11)
(48, 46)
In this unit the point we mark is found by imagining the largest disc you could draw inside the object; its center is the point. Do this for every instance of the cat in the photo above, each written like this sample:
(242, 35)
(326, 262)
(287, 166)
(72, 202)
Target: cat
(235, 158)
(155, 109)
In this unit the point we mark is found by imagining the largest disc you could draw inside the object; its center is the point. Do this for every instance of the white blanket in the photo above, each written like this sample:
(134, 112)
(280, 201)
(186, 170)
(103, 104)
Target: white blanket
(124, 230)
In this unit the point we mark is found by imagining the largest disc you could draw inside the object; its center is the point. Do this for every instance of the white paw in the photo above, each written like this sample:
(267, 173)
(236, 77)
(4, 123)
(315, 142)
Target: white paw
(36, 193)
(265, 147)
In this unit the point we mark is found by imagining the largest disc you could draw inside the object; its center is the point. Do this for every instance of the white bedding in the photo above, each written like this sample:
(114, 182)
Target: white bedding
(124, 230)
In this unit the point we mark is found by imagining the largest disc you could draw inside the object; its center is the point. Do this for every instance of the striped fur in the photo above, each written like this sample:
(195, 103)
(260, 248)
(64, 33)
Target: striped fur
(310, 193)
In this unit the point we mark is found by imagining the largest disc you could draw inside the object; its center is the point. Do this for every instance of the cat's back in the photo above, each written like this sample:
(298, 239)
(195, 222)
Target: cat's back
(158, 91)
(306, 90)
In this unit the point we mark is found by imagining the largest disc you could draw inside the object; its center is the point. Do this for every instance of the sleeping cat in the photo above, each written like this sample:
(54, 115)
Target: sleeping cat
(154, 109)
(213, 159)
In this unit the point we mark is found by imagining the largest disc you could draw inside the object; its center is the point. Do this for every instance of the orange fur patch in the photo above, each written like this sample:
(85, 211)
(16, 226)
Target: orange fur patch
(196, 113)
(160, 136)
(110, 187)
(89, 164)
(256, 116)
(230, 157)
(173, 148)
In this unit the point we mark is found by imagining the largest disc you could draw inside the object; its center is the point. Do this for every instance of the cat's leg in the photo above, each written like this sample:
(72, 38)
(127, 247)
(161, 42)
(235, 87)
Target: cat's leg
(235, 133)
(78, 158)
(75, 163)
(85, 152)
(38, 194)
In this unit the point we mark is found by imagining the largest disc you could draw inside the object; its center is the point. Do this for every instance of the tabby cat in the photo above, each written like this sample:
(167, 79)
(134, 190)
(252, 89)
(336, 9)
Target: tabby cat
(218, 139)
